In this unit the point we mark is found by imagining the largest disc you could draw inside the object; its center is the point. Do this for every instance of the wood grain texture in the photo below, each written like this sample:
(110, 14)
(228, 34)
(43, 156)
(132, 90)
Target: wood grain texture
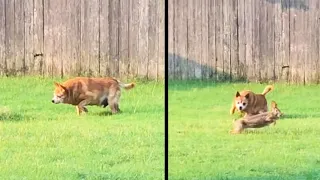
(10, 37)
(40, 15)
(82, 38)
(255, 40)
(143, 37)
(2, 37)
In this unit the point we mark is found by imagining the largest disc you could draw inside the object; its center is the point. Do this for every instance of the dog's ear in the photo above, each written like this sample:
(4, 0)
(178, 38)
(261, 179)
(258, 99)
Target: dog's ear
(274, 104)
(57, 84)
(237, 94)
(247, 96)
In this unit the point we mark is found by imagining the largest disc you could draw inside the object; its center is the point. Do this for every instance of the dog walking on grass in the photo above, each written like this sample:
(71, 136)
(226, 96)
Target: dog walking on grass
(83, 91)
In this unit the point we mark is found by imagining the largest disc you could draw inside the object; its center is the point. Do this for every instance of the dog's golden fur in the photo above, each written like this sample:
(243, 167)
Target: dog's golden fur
(249, 103)
(82, 91)
(257, 121)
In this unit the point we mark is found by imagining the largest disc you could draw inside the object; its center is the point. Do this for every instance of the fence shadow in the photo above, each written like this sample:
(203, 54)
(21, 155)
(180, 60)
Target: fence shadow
(288, 4)
(185, 70)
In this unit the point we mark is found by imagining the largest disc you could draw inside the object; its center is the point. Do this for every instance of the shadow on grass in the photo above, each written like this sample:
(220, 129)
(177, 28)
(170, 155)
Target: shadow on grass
(297, 116)
(103, 113)
(13, 116)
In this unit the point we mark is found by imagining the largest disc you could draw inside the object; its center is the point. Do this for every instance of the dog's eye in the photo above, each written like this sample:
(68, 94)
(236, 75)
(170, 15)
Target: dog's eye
(238, 102)
(244, 104)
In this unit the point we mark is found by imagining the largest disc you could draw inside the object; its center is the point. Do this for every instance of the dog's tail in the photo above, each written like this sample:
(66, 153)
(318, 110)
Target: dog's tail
(267, 89)
(126, 86)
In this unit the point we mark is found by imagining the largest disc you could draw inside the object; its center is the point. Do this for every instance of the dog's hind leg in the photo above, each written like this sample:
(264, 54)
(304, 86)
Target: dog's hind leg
(113, 100)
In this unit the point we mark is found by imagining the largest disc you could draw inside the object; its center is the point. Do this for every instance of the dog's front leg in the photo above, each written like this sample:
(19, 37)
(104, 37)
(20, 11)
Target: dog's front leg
(233, 108)
(81, 106)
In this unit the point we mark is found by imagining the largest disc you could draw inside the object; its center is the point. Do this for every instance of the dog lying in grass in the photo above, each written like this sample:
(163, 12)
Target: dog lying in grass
(249, 103)
(257, 121)
(83, 91)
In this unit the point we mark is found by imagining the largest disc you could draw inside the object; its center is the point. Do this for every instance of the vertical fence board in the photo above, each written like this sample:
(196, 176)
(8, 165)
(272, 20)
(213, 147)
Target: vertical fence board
(296, 43)
(219, 39)
(180, 46)
(270, 62)
(313, 60)
(211, 40)
(234, 46)
(277, 42)
(123, 39)
(191, 54)
(161, 38)
(204, 39)
(39, 16)
(153, 39)
(285, 43)
(250, 64)
(143, 37)
(10, 44)
(134, 37)
(197, 40)
(28, 36)
(71, 38)
(19, 37)
(242, 33)
(48, 43)
(2, 37)
(256, 39)
(57, 36)
(262, 39)
(227, 39)
(114, 37)
(105, 68)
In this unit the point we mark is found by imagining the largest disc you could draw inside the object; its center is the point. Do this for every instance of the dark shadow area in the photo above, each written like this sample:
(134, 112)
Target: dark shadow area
(288, 4)
(103, 113)
(183, 71)
(13, 116)
(178, 64)
(300, 116)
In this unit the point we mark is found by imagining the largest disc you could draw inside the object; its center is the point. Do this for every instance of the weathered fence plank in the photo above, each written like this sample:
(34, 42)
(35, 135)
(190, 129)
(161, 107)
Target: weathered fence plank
(10, 40)
(143, 37)
(39, 31)
(211, 40)
(2, 37)
(123, 39)
(114, 36)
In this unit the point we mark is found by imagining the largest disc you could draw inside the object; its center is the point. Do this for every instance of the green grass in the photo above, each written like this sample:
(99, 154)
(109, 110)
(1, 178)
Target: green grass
(200, 146)
(41, 140)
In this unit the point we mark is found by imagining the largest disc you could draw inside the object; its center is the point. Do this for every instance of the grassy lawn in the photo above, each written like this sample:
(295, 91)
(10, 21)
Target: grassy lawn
(200, 146)
(41, 140)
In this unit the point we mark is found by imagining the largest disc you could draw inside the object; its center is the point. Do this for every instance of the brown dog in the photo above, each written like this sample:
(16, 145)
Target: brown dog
(82, 91)
(257, 121)
(251, 103)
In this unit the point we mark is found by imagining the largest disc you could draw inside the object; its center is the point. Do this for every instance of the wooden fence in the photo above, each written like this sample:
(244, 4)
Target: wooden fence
(122, 38)
(257, 40)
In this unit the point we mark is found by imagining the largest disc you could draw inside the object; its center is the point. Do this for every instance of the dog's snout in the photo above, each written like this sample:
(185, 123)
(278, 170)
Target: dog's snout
(240, 107)
(52, 101)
